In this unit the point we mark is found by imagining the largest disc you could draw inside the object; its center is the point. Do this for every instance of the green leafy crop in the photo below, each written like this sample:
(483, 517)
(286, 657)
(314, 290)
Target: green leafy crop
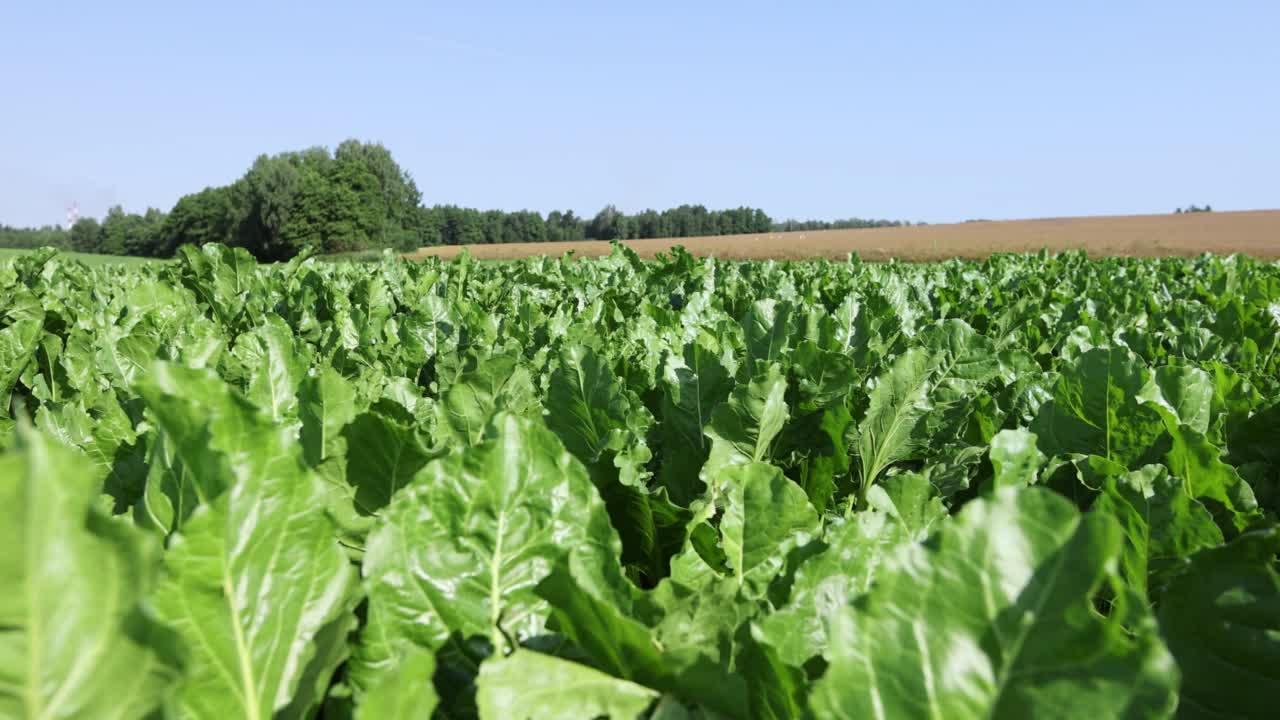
(1033, 486)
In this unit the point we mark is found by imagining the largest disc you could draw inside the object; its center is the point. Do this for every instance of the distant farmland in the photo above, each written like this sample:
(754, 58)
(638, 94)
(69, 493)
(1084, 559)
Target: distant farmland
(1254, 232)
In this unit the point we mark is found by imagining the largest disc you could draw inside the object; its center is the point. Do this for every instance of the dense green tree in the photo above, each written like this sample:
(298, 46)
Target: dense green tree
(214, 214)
(124, 233)
(355, 198)
(565, 226)
(398, 193)
(604, 226)
(272, 188)
(86, 236)
(648, 224)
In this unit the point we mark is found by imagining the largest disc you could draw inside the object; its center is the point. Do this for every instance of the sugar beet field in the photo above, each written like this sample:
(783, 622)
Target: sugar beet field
(1029, 486)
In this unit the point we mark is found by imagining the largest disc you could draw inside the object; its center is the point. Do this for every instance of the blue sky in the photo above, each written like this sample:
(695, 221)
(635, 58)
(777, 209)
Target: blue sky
(935, 111)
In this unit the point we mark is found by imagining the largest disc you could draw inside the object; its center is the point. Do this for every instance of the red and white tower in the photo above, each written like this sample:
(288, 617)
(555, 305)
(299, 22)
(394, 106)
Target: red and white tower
(73, 214)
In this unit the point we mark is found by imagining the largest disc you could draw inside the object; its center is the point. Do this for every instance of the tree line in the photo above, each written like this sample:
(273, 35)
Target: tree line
(119, 233)
(357, 198)
(452, 225)
(845, 224)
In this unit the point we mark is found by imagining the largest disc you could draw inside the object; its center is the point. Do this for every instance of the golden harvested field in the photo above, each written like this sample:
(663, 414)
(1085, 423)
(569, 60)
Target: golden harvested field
(1253, 232)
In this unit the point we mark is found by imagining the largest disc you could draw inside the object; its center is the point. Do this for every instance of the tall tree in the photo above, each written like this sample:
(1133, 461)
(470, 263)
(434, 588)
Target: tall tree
(86, 236)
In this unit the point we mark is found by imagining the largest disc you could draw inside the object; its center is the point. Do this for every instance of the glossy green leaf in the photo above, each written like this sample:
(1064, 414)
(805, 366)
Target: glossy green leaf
(480, 529)
(598, 421)
(742, 429)
(586, 404)
(255, 573)
(496, 383)
(898, 402)
(218, 434)
(824, 378)
(1193, 459)
(1095, 409)
(775, 690)
(1010, 635)
(384, 452)
(1015, 458)
(672, 657)
(764, 512)
(1162, 522)
(1186, 393)
(326, 404)
(17, 348)
(693, 385)
(529, 686)
(76, 637)
(274, 367)
(965, 361)
(767, 331)
(405, 692)
(851, 552)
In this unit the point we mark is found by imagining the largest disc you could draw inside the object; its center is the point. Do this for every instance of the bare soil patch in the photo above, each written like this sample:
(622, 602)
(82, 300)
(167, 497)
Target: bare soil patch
(1253, 232)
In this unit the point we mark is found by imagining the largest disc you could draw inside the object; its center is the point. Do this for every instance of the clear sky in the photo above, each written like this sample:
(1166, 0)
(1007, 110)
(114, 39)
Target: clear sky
(935, 111)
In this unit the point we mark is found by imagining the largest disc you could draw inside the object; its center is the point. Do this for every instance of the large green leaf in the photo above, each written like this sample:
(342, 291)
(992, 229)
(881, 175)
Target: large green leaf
(850, 553)
(461, 549)
(332, 648)
(530, 686)
(964, 363)
(105, 434)
(814, 448)
(604, 425)
(76, 639)
(993, 618)
(742, 429)
(767, 331)
(18, 343)
(888, 432)
(586, 404)
(764, 513)
(615, 642)
(251, 637)
(596, 418)
(256, 572)
(1191, 457)
(1253, 438)
(1162, 522)
(384, 452)
(1185, 393)
(218, 434)
(824, 377)
(1096, 410)
(693, 386)
(965, 360)
(679, 649)
(1015, 459)
(274, 367)
(775, 690)
(910, 499)
(1221, 618)
(326, 403)
(405, 692)
(222, 278)
(496, 383)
